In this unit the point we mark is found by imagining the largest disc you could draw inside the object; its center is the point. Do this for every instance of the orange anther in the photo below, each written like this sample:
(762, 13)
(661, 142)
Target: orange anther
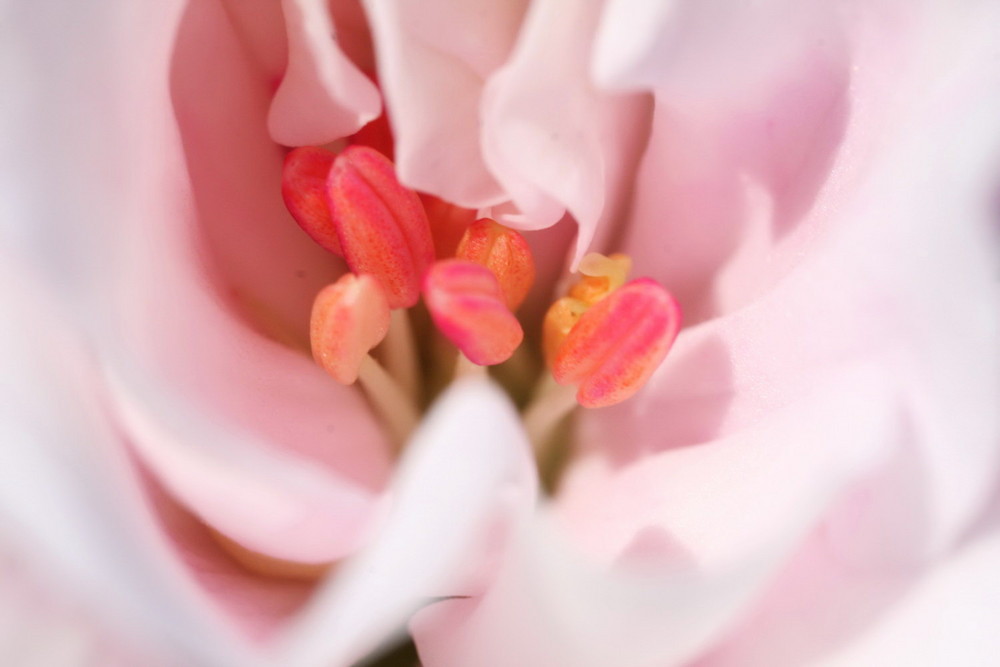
(467, 304)
(560, 319)
(617, 343)
(381, 224)
(303, 187)
(349, 318)
(504, 252)
(600, 276)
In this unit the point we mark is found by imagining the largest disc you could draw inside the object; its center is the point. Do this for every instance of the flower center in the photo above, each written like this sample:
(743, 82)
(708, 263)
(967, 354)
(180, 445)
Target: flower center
(601, 341)
(432, 295)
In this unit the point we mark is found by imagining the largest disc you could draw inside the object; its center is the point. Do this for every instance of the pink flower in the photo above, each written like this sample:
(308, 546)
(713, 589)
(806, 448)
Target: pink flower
(809, 476)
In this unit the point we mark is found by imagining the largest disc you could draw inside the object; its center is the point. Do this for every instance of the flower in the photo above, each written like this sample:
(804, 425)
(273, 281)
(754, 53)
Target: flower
(809, 475)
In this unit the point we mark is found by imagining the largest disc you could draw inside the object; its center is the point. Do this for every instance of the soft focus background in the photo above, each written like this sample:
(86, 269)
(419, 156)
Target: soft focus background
(810, 478)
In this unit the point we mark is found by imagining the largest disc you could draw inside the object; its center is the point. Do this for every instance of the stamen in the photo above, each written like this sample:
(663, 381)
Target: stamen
(617, 343)
(303, 187)
(394, 407)
(467, 304)
(399, 353)
(600, 276)
(504, 252)
(349, 318)
(381, 224)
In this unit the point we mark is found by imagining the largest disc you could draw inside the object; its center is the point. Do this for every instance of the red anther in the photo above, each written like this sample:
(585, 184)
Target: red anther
(349, 318)
(467, 305)
(377, 134)
(448, 224)
(504, 252)
(303, 187)
(618, 343)
(381, 224)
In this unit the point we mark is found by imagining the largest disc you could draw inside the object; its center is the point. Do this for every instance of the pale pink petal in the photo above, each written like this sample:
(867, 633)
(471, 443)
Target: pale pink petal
(948, 617)
(74, 512)
(552, 139)
(847, 384)
(869, 273)
(706, 50)
(260, 26)
(727, 504)
(433, 58)
(190, 373)
(467, 467)
(323, 95)
(823, 611)
(167, 297)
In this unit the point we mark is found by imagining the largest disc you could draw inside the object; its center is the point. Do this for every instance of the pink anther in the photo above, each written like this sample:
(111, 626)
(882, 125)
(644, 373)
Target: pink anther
(467, 304)
(617, 343)
(381, 224)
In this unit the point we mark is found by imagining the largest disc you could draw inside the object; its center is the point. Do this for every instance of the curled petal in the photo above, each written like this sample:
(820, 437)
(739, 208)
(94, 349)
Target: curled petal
(322, 96)
(468, 306)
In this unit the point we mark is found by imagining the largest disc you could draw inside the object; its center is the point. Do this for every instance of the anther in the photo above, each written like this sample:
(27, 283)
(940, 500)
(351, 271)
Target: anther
(600, 276)
(468, 305)
(381, 224)
(349, 318)
(303, 187)
(504, 252)
(616, 344)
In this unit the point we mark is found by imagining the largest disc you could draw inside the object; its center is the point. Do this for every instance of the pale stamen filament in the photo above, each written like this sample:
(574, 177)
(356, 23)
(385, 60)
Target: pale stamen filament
(394, 406)
(398, 353)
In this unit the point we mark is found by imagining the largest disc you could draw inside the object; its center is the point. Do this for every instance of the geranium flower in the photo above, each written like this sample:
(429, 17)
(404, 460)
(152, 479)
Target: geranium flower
(810, 475)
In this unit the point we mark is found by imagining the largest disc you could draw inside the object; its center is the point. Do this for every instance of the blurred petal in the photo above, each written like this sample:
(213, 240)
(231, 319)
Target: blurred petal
(433, 58)
(468, 456)
(948, 617)
(550, 606)
(323, 95)
(73, 510)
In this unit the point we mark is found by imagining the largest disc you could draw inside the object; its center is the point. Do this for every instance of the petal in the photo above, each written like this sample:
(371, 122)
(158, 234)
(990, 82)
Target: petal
(433, 58)
(835, 374)
(195, 373)
(553, 141)
(705, 51)
(85, 529)
(946, 617)
(871, 274)
(450, 486)
(323, 96)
